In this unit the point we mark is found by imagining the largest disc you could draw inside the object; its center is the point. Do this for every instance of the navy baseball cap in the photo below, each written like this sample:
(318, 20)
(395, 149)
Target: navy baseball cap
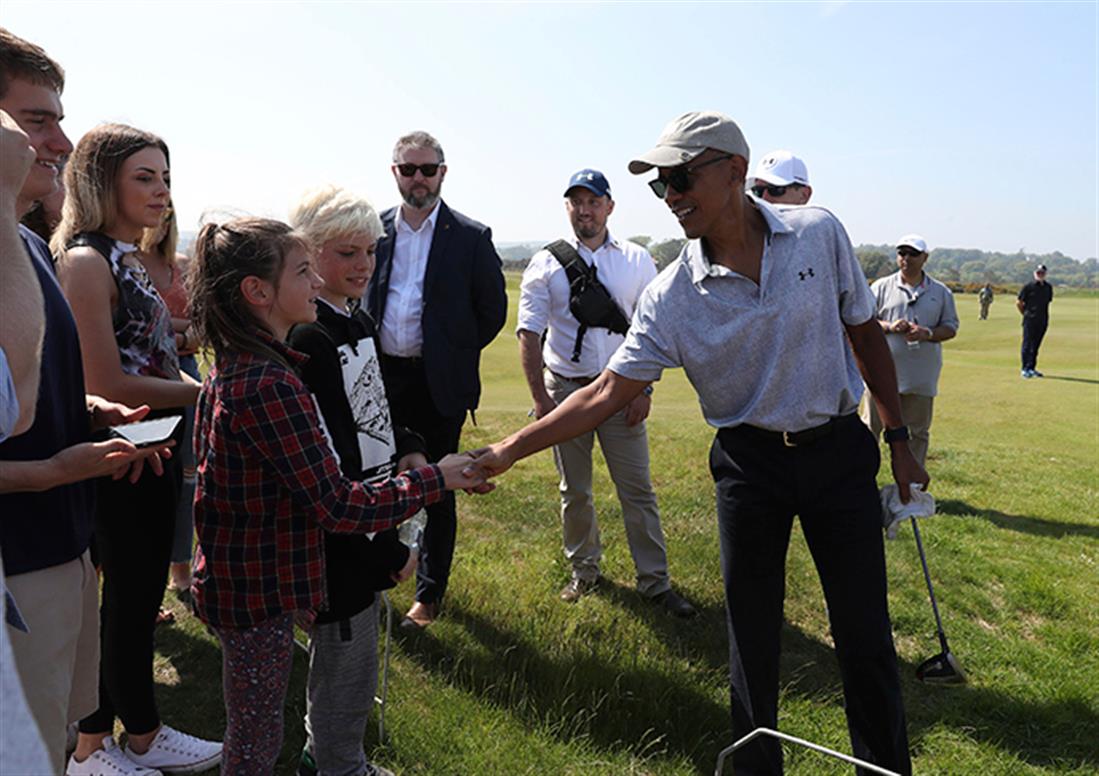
(592, 180)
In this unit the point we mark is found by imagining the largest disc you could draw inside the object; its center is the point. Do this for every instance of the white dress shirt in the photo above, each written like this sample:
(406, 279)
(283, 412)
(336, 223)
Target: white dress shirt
(622, 266)
(401, 332)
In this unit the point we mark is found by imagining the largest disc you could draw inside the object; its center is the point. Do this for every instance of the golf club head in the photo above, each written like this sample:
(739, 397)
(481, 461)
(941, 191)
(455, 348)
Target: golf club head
(943, 668)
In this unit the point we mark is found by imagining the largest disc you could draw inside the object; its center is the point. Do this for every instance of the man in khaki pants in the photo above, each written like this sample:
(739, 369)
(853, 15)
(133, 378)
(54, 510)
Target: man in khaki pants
(917, 314)
(571, 358)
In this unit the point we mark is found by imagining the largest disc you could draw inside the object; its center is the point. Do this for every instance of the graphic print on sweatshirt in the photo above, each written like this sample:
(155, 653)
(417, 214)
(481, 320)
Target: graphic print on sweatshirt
(362, 380)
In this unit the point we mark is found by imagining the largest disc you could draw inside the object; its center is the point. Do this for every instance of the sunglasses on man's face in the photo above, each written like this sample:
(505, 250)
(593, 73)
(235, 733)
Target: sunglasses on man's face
(407, 169)
(908, 253)
(679, 178)
(774, 191)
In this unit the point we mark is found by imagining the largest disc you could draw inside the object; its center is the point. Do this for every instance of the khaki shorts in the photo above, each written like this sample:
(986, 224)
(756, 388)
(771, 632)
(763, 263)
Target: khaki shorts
(58, 659)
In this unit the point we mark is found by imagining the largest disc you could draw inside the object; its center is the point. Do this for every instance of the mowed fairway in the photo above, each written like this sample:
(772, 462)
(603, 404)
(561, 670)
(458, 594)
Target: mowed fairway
(512, 681)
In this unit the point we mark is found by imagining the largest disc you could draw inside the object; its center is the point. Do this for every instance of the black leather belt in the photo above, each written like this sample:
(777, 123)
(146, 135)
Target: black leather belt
(581, 380)
(411, 361)
(805, 436)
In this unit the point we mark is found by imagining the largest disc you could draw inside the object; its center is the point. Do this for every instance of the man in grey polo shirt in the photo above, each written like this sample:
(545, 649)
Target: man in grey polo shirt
(758, 310)
(917, 314)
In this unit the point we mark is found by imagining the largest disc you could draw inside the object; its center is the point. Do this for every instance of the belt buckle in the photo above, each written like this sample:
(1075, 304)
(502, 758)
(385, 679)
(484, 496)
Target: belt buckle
(788, 439)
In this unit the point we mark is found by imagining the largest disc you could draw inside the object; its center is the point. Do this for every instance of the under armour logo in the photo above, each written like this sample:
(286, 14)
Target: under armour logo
(808, 273)
(590, 176)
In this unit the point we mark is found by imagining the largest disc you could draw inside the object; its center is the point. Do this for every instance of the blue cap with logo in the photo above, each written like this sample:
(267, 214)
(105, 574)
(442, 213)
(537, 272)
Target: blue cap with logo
(592, 180)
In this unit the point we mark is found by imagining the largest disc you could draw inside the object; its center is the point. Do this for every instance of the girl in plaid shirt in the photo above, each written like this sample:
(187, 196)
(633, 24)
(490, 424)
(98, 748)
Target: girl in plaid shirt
(268, 484)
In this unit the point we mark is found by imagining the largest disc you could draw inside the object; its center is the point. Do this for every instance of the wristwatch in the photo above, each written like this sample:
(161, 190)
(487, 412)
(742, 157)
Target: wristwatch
(898, 434)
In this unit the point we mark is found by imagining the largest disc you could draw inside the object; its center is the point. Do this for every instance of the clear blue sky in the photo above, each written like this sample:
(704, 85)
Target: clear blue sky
(974, 124)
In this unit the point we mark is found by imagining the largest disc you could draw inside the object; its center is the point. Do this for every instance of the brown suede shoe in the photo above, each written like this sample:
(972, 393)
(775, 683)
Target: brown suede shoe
(420, 615)
(577, 588)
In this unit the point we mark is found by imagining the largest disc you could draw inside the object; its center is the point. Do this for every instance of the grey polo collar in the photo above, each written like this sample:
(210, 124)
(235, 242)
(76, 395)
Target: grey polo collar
(701, 267)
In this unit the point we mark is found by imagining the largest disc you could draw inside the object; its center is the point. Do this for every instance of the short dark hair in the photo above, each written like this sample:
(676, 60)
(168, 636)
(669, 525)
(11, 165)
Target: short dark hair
(24, 60)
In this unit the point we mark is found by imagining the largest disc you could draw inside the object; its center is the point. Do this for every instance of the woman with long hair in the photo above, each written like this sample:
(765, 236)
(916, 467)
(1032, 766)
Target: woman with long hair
(167, 269)
(117, 184)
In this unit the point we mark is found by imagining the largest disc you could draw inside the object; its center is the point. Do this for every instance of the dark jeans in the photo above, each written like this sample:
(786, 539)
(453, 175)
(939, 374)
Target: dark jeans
(411, 406)
(133, 539)
(1034, 329)
(829, 484)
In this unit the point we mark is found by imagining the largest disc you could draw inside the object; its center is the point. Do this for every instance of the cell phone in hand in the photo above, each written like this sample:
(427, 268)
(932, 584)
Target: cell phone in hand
(146, 433)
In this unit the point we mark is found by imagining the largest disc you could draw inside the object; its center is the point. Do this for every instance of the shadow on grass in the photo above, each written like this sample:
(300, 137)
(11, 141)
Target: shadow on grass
(653, 713)
(1031, 525)
(575, 694)
(1072, 379)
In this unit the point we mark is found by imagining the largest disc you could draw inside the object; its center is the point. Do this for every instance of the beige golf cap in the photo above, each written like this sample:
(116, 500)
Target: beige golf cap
(781, 168)
(688, 136)
(913, 241)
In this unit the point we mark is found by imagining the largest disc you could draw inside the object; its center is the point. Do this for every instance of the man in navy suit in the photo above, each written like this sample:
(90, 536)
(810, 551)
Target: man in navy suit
(438, 299)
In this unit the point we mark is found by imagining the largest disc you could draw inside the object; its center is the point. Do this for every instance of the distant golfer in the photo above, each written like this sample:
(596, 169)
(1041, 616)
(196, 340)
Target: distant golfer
(984, 297)
(760, 298)
(1033, 302)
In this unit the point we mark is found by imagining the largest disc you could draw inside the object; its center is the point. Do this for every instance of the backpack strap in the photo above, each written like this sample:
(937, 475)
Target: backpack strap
(576, 270)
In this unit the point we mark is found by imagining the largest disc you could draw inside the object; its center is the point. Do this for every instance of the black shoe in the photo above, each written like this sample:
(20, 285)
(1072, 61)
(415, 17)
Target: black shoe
(577, 588)
(675, 604)
(1036, 373)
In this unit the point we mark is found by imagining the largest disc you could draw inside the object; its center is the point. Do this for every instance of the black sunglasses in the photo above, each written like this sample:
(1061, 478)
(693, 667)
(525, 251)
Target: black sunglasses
(679, 178)
(774, 191)
(407, 169)
(907, 252)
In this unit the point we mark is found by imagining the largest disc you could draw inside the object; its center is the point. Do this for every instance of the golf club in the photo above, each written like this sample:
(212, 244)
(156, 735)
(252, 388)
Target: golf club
(943, 668)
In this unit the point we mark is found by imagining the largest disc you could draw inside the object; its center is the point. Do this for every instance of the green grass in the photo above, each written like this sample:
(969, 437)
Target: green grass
(511, 681)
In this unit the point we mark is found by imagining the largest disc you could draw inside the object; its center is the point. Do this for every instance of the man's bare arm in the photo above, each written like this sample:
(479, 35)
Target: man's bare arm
(22, 316)
(876, 365)
(530, 356)
(582, 411)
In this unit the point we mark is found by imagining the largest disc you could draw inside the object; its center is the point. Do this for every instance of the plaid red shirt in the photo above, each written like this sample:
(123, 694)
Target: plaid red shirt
(268, 486)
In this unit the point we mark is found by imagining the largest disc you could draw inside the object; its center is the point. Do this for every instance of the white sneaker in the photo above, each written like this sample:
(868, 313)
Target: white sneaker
(108, 761)
(175, 752)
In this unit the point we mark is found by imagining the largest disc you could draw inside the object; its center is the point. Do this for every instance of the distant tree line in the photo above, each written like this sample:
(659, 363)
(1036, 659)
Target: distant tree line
(965, 268)
(960, 268)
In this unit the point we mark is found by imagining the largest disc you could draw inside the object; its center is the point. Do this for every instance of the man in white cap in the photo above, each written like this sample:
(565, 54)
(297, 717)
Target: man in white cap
(782, 179)
(1033, 303)
(573, 354)
(759, 299)
(917, 314)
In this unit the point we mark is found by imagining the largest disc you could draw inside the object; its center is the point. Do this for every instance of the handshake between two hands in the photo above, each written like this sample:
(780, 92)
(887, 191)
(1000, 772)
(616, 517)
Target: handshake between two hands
(471, 471)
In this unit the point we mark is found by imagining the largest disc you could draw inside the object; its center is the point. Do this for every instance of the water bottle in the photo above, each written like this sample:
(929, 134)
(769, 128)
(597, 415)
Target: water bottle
(411, 531)
(913, 344)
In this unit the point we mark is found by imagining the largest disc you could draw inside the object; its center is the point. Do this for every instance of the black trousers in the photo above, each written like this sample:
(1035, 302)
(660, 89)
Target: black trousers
(134, 527)
(1034, 329)
(411, 406)
(829, 483)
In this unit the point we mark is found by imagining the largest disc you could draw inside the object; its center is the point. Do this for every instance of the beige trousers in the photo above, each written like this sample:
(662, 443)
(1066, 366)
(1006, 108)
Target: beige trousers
(626, 450)
(58, 659)
(916, 414)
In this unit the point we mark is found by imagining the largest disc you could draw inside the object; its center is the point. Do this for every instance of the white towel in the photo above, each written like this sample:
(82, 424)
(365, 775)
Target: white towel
(893, 510)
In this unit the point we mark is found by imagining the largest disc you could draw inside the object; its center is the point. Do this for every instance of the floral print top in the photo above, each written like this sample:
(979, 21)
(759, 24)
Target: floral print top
(142, 322)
